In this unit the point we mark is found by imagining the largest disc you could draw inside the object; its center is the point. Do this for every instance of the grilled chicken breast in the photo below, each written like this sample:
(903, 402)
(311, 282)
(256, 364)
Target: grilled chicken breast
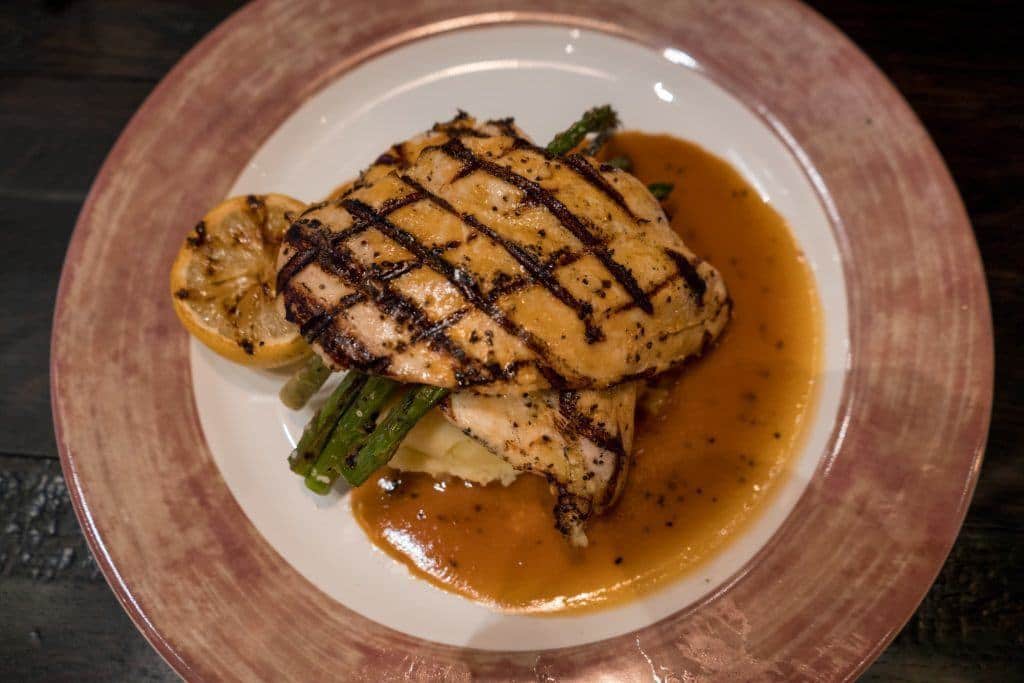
(578, 440)
(469, 259)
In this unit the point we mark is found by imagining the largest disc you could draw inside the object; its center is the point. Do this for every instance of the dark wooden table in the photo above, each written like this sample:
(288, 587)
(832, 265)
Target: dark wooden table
(71, 74)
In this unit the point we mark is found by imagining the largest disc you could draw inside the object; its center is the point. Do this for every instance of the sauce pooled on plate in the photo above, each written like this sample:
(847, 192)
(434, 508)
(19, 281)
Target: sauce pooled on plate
(702, 465)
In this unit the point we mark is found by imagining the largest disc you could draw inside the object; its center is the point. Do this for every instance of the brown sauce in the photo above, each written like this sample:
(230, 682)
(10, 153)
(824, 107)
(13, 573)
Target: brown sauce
(701, 469)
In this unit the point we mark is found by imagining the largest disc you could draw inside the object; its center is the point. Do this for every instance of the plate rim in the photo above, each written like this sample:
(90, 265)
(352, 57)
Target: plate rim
(467, 20)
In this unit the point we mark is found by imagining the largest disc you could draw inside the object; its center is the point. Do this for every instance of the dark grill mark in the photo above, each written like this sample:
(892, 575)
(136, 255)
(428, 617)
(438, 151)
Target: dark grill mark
(340, 346)
(507, 287)
(578, 424)
(395, 156)
(575, 423)
(312, 207)
(395, 203)
(453, 129)
(574, 224)
(690, 275)
(299, 260)
(350, 300)
(523, 143)
(651, 293)
(441, 325)
(393, 271)
(538, 271)
(466, 170)
(461, 279)
(316, 325)
(397, 153)
(457, 132)
(556, 260)
(564, 258)
(684, 269)
(584, 170)
(400, 156)
(506, 126)
(339, 237)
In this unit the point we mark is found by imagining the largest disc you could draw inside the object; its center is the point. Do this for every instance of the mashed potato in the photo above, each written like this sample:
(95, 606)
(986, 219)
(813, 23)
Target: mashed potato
(437, 448)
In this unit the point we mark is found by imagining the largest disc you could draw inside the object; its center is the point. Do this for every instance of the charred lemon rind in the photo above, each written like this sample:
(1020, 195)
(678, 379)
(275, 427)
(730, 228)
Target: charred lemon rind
(222, 281)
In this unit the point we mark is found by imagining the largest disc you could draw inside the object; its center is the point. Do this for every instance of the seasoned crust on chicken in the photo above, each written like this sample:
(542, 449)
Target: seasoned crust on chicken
(579, 440)
(467, 258)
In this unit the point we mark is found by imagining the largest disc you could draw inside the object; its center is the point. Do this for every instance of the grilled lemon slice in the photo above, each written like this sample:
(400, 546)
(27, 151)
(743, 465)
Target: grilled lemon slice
(222, 282)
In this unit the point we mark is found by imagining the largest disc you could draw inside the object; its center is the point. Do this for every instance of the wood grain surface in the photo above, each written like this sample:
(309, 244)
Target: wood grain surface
(72, 73)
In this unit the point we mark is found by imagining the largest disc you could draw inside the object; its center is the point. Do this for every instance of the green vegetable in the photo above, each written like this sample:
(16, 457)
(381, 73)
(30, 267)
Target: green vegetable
(598, 120)
(600, 138)
(306, 381)
(388, 435)
(625, 163)
(351, 432)
(319, 429)
(661, 190)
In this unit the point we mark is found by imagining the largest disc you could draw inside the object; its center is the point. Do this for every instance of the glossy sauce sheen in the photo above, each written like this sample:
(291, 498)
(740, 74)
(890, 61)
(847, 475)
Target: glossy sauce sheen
(700, 469)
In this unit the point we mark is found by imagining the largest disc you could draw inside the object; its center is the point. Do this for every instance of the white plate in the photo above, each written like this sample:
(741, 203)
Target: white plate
(544, 76)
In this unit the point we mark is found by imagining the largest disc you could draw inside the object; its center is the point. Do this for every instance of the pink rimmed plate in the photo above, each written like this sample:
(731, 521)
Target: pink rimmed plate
(173, 457)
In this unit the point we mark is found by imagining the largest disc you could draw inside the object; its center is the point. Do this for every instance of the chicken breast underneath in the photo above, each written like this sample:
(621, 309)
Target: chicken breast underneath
(579, 440)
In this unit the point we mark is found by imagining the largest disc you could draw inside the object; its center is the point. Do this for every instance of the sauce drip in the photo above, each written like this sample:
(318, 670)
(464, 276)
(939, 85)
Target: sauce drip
(701, 468)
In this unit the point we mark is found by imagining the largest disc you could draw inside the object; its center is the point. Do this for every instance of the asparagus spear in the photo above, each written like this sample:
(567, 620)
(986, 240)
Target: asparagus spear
(306, 381)
(351, 432)
(602, 137)
(594, 120)
(318, 430)
(388, 435)
(660, 190)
